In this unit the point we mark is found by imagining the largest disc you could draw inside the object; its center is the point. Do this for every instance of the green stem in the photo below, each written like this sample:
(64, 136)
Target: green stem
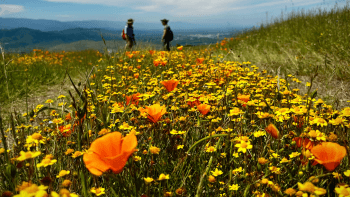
(199, 141)
(4, 142)
(83, 184)
(199, 188)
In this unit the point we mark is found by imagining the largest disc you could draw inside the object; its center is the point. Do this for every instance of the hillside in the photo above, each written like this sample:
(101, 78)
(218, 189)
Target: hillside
(25, 38)
(301, 44)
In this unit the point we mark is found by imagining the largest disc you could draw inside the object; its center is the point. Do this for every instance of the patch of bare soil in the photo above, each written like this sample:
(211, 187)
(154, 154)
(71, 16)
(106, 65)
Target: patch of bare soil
(332, 91)
(40, 96)
(35, 98)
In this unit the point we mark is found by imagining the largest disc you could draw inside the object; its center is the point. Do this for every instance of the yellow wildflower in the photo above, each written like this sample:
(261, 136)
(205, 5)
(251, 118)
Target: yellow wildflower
(47, 161)
(243, 146)
(28, 155)
(216, 172)
(148, 179)
(163, 177)
(234, 187)
(154, 150)
(62, 173)
(97, 191)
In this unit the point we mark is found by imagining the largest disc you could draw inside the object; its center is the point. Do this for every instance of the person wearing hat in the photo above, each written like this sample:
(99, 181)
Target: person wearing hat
(166, 42)
(129, 34)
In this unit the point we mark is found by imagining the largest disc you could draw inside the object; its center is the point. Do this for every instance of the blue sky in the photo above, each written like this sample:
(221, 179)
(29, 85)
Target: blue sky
(229, 13)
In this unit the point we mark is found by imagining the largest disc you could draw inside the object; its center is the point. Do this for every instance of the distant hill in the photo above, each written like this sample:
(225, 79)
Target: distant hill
(41, 24)
(24, 36)
(54, 25)
(20, 34)
(25, 39)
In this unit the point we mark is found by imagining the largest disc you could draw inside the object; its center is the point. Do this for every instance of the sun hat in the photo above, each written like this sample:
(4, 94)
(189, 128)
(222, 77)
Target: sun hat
(130, 21)
(164, 20)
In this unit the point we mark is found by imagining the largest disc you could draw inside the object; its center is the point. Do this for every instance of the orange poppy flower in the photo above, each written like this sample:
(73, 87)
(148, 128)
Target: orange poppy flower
(329, 154)
(271, 129)
(299, 120)
(307, 146)
(193, 103)
(68, 117)
(65, 130)
(163, 63)
(170, 85)
(110, 152)
(244, 98)
(133, 98)
(203, 108)
(200, 60)
(305, 142)
(151, 52)
(156, 62)
(180, 48)
(154, 112)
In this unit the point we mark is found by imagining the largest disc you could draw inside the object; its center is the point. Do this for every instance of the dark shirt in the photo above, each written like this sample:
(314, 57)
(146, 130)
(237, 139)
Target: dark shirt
(167, 28)
(129, 31)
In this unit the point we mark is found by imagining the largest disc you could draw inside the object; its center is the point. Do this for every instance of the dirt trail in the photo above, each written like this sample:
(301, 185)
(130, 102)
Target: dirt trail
(40, 96)
(36, 98)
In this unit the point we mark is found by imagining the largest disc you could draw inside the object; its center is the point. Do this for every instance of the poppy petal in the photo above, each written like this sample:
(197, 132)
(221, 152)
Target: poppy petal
(129, 143)
(329, 154)
(118, 162)
(95, 164)
(108, 145)
(331, 166)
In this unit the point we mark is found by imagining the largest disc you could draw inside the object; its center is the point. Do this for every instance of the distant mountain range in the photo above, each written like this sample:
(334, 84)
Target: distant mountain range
(27, 34)
(25, 37)
(53, 25)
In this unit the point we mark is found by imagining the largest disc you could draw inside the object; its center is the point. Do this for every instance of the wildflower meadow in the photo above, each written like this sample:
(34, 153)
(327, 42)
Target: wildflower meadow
(180, 123)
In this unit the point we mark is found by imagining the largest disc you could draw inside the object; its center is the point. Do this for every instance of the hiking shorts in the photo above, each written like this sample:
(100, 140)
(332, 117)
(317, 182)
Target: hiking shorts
(129, 42)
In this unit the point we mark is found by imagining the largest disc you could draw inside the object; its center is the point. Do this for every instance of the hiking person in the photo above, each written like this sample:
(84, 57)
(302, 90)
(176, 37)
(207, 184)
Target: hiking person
(129, 34)
(167, 35)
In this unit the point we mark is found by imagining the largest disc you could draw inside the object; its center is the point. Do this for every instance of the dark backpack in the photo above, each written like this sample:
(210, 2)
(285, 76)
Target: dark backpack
(169, 35)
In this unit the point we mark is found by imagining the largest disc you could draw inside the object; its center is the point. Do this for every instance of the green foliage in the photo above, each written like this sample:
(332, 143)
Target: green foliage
(302, 39)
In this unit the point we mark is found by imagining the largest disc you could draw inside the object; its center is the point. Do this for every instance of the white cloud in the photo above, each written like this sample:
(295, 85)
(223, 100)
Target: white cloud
(296, 3)
(173, 7)
(100, 2)
(148, 8)
(196, 8)
(9, 9)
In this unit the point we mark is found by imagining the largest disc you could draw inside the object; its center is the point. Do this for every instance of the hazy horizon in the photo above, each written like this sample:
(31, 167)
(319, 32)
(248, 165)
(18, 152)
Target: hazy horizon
(224, 13)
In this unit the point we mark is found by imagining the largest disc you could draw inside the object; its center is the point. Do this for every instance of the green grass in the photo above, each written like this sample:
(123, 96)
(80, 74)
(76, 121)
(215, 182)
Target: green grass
(314, 38)
(25, 75)
(31, 74)
(298, 44)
